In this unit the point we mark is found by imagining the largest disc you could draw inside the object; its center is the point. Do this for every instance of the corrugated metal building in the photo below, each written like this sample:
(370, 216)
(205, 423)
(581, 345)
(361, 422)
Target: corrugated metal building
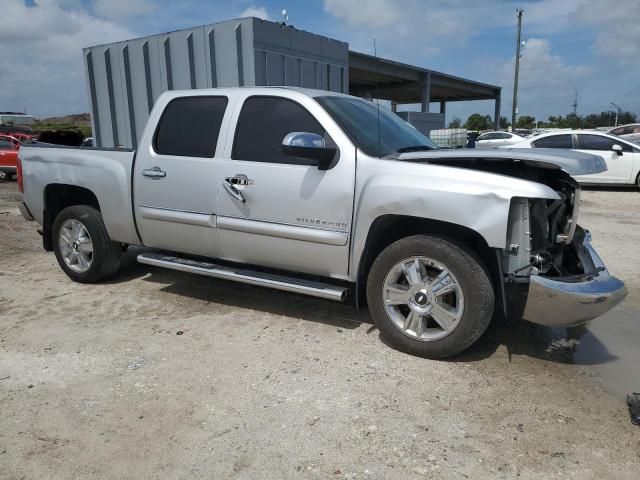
(125, 78)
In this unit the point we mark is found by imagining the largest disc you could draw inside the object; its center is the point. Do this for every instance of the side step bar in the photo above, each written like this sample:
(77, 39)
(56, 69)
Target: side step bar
(260, 279)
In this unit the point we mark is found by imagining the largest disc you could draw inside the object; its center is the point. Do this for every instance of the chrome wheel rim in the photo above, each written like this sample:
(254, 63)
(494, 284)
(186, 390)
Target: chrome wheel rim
(76, 246)
(423, 298)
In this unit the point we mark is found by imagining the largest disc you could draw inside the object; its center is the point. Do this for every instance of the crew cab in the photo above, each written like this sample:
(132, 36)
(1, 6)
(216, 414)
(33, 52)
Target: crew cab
(331, 196)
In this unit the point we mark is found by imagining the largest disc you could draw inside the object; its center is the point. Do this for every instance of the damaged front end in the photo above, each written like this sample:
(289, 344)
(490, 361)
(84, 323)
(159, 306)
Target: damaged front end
(550, 261)
(552, 274)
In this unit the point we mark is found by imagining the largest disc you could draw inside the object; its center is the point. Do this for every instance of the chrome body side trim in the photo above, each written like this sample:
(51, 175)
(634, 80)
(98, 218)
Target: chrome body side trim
(260, 279)
(306, 234)
(559, 302)
(178, 216)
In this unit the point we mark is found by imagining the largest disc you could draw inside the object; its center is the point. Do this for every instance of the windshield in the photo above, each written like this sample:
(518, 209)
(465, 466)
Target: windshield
(359, 119)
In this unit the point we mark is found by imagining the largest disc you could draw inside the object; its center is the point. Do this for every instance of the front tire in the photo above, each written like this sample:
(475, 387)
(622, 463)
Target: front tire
(82, 245)
(429, 297)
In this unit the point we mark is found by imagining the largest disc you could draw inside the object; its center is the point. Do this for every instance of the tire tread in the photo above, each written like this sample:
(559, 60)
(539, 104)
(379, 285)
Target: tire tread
(109, 252)
(468, 268)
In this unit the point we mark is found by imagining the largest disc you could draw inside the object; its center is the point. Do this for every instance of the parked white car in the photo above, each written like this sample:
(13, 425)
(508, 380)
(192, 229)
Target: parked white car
(622, 157)
(630, 132)
(497, 139)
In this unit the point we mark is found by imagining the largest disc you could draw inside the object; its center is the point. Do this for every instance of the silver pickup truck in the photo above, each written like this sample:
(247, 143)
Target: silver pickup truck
(328, 195)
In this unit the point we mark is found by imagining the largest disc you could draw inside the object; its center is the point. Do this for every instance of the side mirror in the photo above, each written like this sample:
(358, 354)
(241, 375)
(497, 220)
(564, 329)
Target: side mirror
(618, 149)
(311, 146)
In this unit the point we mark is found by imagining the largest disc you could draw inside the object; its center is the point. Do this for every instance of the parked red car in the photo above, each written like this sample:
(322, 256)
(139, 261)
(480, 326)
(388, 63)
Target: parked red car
(9, 147)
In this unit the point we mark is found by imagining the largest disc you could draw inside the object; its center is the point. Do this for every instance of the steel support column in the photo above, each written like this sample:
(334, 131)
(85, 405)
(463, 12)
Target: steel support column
(496, 114)
(426, 92)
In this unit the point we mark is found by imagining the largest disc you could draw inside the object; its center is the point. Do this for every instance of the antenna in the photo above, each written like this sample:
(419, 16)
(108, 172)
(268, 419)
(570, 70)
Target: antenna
(574, 105)
(375, 56)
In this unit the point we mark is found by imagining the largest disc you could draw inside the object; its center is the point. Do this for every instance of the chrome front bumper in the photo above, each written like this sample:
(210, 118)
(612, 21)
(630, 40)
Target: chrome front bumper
(567, 301)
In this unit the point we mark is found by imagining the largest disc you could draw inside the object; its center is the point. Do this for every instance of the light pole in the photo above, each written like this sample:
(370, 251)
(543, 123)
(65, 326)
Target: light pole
(515, 81)
(618, 109)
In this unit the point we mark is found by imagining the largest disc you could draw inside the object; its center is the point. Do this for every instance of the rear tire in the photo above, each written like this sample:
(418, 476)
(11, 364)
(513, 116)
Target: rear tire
(82, 245)
(429, 297)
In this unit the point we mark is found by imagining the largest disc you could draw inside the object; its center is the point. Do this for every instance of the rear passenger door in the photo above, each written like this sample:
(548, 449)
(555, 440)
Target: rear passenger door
(292, 215)
(176, 173)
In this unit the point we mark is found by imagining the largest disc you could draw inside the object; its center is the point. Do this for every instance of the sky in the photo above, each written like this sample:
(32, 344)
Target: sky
(588, 46)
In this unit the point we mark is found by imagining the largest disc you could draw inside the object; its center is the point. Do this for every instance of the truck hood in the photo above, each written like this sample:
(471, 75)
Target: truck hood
(569, 161)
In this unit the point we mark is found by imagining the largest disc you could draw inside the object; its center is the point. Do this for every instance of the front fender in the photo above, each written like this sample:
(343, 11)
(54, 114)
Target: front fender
(476, 200)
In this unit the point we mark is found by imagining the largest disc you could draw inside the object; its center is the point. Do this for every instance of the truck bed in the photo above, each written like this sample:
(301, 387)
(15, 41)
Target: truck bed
(106, 172)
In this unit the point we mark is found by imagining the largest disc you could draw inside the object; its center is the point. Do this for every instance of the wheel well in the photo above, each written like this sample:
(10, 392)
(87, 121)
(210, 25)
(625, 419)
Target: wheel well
(389, 228)
(57, 197)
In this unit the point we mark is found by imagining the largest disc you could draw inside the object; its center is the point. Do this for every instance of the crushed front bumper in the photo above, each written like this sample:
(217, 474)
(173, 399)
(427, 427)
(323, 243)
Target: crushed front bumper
(570, 301)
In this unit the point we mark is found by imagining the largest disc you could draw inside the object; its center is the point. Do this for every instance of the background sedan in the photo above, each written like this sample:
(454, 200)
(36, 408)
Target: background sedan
(622, 157)
(497, 139)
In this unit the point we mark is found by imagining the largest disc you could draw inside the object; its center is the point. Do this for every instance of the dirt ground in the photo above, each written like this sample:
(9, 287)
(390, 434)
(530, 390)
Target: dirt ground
(159, 374)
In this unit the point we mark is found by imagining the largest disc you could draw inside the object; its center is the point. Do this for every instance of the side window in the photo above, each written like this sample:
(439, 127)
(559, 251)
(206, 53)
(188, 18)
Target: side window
(598, 142)
(189, 127)
(553, 141)
(595, 142)
(263, 124)
(4, 145)
(503, 136)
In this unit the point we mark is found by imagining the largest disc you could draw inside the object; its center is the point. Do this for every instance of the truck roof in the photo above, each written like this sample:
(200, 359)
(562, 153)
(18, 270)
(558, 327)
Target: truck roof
(310, 92)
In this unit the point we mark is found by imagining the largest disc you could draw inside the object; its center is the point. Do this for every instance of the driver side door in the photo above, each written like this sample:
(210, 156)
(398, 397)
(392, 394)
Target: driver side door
(290, 214)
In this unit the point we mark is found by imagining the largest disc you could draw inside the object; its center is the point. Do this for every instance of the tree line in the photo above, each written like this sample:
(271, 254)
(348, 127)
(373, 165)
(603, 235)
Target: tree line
(476, 121)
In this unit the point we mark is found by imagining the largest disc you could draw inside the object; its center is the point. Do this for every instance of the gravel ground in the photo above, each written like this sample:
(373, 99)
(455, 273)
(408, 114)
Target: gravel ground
(160, 374)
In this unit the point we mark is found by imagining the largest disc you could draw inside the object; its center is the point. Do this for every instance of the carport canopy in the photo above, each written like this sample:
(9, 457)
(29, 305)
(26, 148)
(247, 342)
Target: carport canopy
(407, 84)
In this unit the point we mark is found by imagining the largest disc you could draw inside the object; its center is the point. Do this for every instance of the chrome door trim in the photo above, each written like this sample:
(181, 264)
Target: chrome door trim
(292, 232)
(178, 216)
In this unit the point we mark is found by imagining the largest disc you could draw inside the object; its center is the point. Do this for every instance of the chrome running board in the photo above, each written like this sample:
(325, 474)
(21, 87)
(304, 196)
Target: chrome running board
(260, 279)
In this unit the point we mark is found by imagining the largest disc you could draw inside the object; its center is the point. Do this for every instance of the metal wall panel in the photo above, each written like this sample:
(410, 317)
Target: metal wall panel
(424, 121)
(287, 56)
(126, 78)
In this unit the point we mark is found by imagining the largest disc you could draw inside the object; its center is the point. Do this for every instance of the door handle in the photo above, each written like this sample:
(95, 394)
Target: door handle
(156, 173)
(233, 191)
(235, 184)
(239, 180)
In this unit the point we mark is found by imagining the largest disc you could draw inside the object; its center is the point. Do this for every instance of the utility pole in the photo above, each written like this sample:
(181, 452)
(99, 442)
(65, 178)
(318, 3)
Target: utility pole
(574, 105)
(515, 81)
(618, 109)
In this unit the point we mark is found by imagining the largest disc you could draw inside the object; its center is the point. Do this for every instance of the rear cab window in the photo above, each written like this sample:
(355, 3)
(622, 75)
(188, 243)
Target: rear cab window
(190, 126)
(554, 141)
